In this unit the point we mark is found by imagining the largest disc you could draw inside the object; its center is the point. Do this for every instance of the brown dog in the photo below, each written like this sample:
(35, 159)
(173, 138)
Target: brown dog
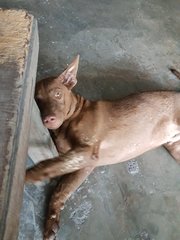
(90, 134)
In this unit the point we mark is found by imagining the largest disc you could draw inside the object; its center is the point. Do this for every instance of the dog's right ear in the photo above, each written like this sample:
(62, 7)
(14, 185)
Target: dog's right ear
(68, 77)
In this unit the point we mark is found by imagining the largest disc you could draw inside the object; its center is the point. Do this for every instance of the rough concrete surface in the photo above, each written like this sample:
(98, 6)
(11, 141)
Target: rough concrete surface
(125, 46)
(18, 66)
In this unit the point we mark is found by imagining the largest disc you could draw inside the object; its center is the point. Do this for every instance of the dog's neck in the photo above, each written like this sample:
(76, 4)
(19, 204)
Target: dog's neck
(77, 104)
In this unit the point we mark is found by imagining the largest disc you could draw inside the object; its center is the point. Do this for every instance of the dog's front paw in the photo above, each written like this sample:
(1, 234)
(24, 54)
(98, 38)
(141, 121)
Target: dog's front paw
(52, 227)
(31, 176)
(36, 173)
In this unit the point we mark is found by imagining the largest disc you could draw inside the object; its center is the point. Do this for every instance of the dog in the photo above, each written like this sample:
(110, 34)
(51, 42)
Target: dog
(88, 134)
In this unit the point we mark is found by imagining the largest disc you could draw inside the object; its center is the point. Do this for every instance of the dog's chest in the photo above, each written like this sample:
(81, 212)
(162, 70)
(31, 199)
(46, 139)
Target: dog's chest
(68, 138)
(61, 142)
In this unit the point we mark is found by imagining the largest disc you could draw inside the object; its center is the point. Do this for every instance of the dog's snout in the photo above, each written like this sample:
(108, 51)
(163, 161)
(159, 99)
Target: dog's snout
(49, 119)
(51, 122)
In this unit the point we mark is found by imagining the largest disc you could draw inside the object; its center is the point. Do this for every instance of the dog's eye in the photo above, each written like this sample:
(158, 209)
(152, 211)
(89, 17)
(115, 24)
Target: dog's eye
(57, 94)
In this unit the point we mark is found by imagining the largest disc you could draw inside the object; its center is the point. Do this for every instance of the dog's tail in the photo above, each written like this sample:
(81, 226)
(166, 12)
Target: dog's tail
(175, 72)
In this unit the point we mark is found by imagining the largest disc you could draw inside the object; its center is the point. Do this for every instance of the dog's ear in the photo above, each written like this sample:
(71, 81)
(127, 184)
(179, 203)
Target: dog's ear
(68, 77)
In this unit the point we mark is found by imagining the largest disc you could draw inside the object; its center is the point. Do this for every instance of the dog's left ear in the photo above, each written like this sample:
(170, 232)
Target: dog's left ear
(68, 77)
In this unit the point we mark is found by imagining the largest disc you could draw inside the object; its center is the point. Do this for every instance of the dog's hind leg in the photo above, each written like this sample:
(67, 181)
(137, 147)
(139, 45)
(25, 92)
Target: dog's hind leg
(174, 149)
(66, 186)
(175, 72)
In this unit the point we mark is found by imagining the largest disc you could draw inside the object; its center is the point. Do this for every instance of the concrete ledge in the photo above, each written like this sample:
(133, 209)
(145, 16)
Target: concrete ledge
(18, 65)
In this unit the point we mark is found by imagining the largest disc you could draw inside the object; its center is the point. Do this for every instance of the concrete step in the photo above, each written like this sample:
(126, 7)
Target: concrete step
(18, 65)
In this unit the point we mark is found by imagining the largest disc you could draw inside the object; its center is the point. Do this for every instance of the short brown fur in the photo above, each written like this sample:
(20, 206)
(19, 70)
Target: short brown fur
(91, 134)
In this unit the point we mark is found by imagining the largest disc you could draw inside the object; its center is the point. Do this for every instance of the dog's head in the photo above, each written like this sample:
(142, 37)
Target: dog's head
(54, 98)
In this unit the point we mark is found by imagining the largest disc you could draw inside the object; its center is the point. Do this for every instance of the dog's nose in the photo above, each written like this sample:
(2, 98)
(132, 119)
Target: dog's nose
(49, 119)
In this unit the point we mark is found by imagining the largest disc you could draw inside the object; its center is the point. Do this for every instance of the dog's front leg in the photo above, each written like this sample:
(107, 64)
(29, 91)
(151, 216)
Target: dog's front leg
(67, 185)
(58, 166)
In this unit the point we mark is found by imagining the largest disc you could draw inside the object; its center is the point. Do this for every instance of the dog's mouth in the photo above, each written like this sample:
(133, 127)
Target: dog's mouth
(52, 126)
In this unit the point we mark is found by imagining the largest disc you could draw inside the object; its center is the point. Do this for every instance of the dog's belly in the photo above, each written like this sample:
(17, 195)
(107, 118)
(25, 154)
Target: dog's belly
(115, 152)
(122, 147)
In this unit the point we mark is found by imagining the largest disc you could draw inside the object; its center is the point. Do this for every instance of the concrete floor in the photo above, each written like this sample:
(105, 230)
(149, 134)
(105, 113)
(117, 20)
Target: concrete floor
(125, 46)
